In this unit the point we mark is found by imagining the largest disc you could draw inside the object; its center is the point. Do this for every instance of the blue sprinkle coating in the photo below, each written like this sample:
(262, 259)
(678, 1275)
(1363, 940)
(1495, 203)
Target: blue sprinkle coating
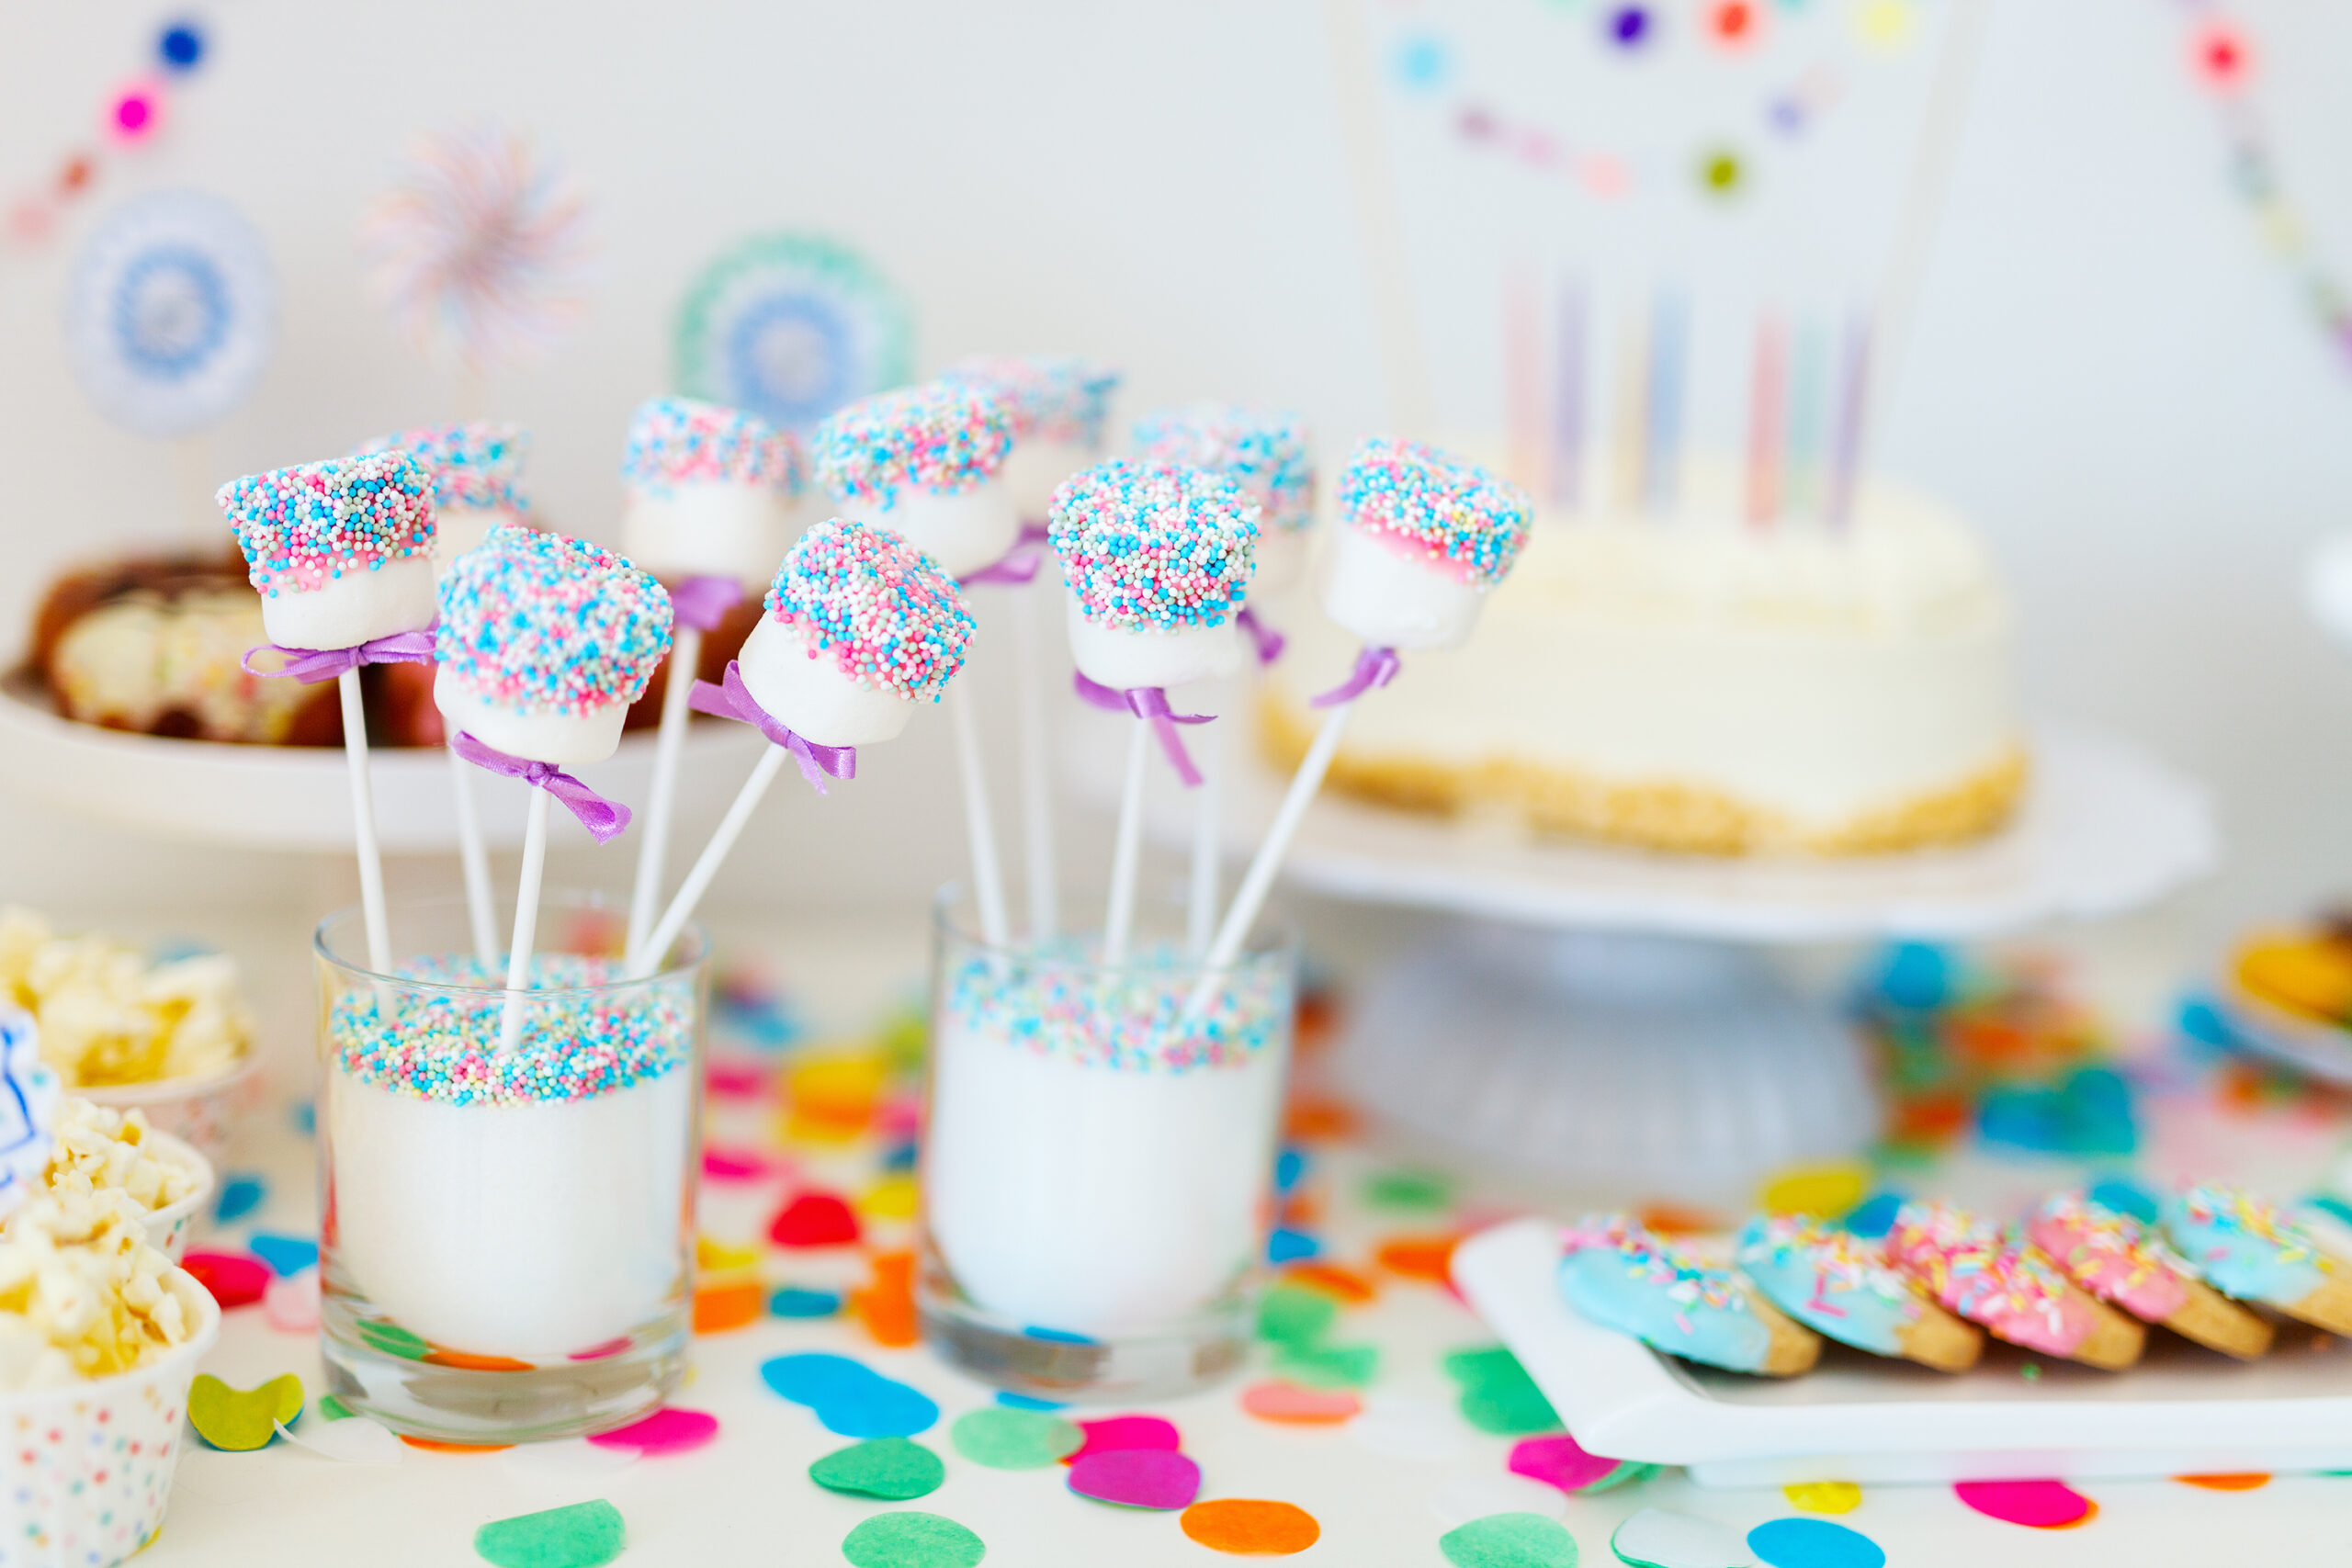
(1266, 454)
(942, 436)
(1151, 547)
(536, 621)
(1050, 397)
(475, 463)
(1450, 512)
(674, 440)
(302, 527)
(1128, 1020)
(888, 615)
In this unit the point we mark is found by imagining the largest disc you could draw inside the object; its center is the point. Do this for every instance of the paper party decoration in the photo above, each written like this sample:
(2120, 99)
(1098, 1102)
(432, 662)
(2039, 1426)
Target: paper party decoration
(790, 327)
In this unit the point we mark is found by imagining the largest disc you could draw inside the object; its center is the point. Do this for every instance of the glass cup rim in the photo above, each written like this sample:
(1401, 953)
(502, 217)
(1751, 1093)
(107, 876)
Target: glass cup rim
(693, 940)
(1273, 940)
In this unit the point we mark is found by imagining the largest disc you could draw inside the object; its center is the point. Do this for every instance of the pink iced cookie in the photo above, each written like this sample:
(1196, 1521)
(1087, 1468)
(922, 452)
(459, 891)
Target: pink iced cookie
(2117, 1259)
(2002, 1281)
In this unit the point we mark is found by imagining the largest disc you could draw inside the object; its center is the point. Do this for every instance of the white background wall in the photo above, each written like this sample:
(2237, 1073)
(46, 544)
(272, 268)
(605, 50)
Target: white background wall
(2108, 371)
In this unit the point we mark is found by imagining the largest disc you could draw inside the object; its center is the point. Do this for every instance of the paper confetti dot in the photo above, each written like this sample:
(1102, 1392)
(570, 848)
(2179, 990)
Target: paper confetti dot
(1012, 1401)
(2245, 1480)
(1329, 1365)
(1251, 1525)
(1656, 1539)
(1813, 1543)
(1875, 1215)
(242, 1419)
(892, 1198)
(796, 1301)
(891, 1468)
(1509, 1540)
(720, 1308)
(849, 1398)
(391, 1340)
(1004, 1438)
(1292, 1317)
(1467, 1497)
(814, 1219)
(1405, 1426)
(1498, 1395)
(1286, 1403)
(240, 1196)
(292, 1306)
(1343, 1285)
(584, 1535)
(723, 1164)
(1113, 1434)
(911, 1541)
(1287, 1245)
(286, 1254)
(2043, 1505)
(1408, 1189)
(233, 1278)
(1138, 1478)
(1825, 1496)
(713, 1255)
(1560, 1461)
(886, 1308)
(1822, 1191)
(435, 1446)
(1429, 1257)
(669, 1430)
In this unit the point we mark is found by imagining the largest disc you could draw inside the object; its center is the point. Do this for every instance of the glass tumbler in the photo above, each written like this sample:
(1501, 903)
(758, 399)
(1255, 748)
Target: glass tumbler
(1097, 1160)
(507, 1234)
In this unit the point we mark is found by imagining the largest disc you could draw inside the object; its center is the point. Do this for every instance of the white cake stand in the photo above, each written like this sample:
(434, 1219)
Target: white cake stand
(296, 797)
(1613, 1019)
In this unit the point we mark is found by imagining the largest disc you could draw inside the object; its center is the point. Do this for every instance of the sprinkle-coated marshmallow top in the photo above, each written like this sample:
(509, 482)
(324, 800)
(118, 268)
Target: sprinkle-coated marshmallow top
(1152, 547)
(302, 527)
(1050, 397)
(943, 436)
(542, 622)
(879, 608)
(1452, 514)
(1265, 454)
(475, 463)
(676, 441)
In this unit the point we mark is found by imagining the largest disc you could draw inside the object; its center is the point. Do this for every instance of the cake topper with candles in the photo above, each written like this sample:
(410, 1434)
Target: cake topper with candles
(713, 498)
(341, 555)
(861, 629)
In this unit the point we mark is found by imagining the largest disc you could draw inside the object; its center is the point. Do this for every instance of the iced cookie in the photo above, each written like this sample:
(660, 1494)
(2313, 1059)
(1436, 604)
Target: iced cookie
(2116, 1258)
(2245, 1247)
(1620, 1276)
(1837, 1284)
(2000, 1281)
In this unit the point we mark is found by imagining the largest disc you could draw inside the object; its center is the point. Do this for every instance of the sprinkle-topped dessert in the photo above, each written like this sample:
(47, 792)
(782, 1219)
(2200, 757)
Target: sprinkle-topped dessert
(1837, 1284)
(306, 527)
(541, 622)
(2245, 1247)
(1617, 1274)
(1152, 547)
(474, 464)
(1264, 454)
(1050, 397)
(2117, 1259)
(889, 618)
(944, 437)
(1128, 1020)
(2004, 1282)
(1437, 508)
(674, 440)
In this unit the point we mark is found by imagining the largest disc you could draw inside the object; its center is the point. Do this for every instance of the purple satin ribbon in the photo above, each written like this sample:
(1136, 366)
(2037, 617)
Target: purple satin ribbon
(1269, 642)
(1151, 704)
(703, 601)
(1016, 566)
(1035, 534)
(603, 818)
(1375, 667)
(733, 700)
(312, 665)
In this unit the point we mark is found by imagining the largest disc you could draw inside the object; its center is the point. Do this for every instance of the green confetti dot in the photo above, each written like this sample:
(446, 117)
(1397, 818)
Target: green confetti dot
(393, 1340)
(1014, 1439)
(1509, 1540)
(581, 1536)
(913, 1540)
(334, 1409)
(1408, 1189)
(1498, 1395)
(892, 1468)
(1329, 1365)
(1290, 1316)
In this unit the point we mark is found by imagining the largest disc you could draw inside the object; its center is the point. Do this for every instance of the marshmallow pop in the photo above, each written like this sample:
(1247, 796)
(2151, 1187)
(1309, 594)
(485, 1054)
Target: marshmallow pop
(1058, 404)
(340, 551)
(927, 463)
(1264, 454)
(476, 467)
(712, 492)
(1424, 536)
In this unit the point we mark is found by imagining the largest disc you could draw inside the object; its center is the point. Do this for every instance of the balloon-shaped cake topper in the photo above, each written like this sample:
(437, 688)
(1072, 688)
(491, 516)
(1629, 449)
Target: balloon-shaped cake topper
(791, 327)
(927, 463)
(477, 468)
(479, 250)
(172, 313)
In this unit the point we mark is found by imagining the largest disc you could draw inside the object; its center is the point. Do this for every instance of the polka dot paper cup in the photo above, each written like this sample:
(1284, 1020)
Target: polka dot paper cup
(168, 1228)
(85, 1470)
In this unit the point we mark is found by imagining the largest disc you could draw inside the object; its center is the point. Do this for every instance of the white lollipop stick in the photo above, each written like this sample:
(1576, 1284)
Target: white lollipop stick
(526, 922)
(1126, 850)
(979, 825)
(1036, 779)
(363, 825)
(473, 859)
(644, 960)
(1208, 829)
(668, 741)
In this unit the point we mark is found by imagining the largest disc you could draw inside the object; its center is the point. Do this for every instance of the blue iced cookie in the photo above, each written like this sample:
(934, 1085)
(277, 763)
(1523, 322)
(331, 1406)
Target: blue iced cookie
(2246, 1247)
(1839, 1285)
(1617, 1274)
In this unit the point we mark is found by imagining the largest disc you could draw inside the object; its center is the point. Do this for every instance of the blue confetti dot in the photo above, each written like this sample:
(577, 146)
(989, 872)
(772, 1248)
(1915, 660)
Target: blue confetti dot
(849, 1397)
(1056, 1336)
(792, 1300)
(306, 1118)
(1422, 62)
(286, 1254)
(1873, 1217)
(1290, 1246)
(2205, 1024)
(1289, 1166)
(240, 1196)
(1012, 1401)
(181, 46)
(2126, 1197)
(1813, 1543)
(902, 1157)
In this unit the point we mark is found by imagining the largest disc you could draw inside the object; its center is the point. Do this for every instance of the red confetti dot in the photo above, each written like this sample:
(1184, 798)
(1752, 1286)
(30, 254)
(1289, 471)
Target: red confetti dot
(233, 1278)
(814, 1219)
(2222, 56)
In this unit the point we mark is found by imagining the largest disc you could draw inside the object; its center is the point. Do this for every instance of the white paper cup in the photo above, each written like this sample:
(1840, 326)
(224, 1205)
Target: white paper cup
(202, 1111)
(168, 1228)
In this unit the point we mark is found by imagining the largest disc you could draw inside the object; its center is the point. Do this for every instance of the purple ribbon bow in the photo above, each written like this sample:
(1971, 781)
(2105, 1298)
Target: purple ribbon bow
(1016, 566)
(604, 819)
(312, 665)
(1269, 642)
(733, 700)
(1151, 704)
(703, 601)
(1375, 667)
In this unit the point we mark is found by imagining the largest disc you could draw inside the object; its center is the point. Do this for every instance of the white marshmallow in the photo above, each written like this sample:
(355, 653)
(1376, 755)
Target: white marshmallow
(357, 607)
(962, 532)
(710, 528)
(457, 529)
(1392, 600)
(810, 696)
(1035, 466)
(564, 738)
(1121, 658)
(1282, 556)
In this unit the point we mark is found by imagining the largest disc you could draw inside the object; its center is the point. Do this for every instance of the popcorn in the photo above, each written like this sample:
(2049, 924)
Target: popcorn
(109, 1016)
(83, 1296)
(98, 1150)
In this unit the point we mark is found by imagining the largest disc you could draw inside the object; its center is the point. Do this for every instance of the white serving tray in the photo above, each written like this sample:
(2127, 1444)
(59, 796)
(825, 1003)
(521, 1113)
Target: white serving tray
(2320, 1049)
(2183, 1411)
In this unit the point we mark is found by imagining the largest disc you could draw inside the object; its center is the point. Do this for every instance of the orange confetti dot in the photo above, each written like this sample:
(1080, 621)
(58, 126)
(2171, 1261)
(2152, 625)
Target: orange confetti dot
(887, 1307)
(1343, 1285)
(1308, 1118)
(1248, 1526)
(2241, 1481)
(719, 1308)
(1291, 1406)
(1678, 1219)
(465, 1363)
(435, 1446)
(1429, 1257)
(2090, 1512)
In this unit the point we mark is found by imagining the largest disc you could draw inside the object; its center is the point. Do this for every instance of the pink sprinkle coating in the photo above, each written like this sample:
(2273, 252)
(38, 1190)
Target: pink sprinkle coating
(1152, 547)
(1050, 397)
(1441, 510)
(676, 441)
(942, 436)
(1989, 1277)
(2111, 1254)
(1265, 454)
(303, 527)
(475, 463)
(539, 622)
(883, 609)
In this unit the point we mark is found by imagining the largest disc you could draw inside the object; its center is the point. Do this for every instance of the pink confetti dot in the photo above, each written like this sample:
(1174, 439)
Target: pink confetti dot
(2044, 1505)
(1558, 1462)
(1138, 1478)
(1115, 1434)
(668, 1430)
(292, 1304)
